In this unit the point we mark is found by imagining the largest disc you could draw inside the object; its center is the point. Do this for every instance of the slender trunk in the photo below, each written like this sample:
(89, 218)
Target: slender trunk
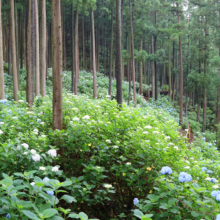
(13, 44)
(181, 75)
(73, 49)
(76, 53)
(84, 43)
(113, 67)
(2, 90)
(64, 39)
(111, 55)
(153, 69)
(57, 64)
(118, 54)
(43, 48)
(132, 51)
(130, 71)
(205, 90)
(169, 67)
(93, 56)
(199, 89)
(141, 70)
(155, 63)
(37, 70)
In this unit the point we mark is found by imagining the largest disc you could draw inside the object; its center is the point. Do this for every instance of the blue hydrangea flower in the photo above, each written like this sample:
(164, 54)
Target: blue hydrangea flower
(204, 139)
(212, 180)
(39, 120)
(165, 170)
(209, 171)
(46, 180)
(184, 177)
(218, 197)
(218, 217)
(8, 216)
(50, 193)
(135, 201)
(203, 169)
(3, 101)
(210, 144)
(214, 193)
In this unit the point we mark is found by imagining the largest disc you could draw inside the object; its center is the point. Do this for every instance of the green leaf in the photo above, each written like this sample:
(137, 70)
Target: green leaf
(138, 213)
(195, 214)
(7, 182)
(30, 215)
(19, 174)
(83, 216)
(57, 218)
(68, 199)
(49, 213)
(73, 215)
(66, 183)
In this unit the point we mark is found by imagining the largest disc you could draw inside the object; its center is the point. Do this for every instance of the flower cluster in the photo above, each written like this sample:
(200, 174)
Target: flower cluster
(216, 194)
(135, 201)
(184, 177)
(166, 170)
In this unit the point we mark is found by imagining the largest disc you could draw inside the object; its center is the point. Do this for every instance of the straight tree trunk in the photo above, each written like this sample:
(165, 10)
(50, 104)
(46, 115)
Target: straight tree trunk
(57, 64)
(205, 90)
(43, 49)
(76, 52)
(84, 43)
(153, 69)
(155, 63)
(169, 67)
(111, 55)
(2, 90)
(93, 56)
(31, 54)
(73, 49)
(181, 75)
(132, 51)
(113, 67)
(118, 54)
(141, 70)
(37, 60)
(13, 45)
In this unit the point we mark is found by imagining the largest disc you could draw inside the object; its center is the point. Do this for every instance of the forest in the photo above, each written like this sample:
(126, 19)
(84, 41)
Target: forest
(109, 109)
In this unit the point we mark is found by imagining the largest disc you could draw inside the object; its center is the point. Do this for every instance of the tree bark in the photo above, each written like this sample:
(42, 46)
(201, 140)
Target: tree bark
(141, 70)
(43, 49)
(84, 43)
(169, 67)
(57, 64)
(118, 54)
(132, 51)
(181, 75)
(155, 63)
(73, 49)
(37, 60)
(93, 56)
(13, 45)
(111, 55)
(76, 53)
(2, 90)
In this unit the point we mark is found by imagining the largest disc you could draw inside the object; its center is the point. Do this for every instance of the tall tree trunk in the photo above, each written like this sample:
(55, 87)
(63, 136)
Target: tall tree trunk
(141, 70)
(37, 69)
(43, 48)
(9, 46)
(113, 68)
(132, 51)
(205, 90)
(155, 63)
(13, 45)
(93, 56)
(73, 49)
(84, 43)
(111, 55)
(181, 75)
(153, 69)
(76, 52)
(2, 90)
(31, 54)
(57, 64)
(118, 54)
(199, 89)
(169, 67)
(64, 39)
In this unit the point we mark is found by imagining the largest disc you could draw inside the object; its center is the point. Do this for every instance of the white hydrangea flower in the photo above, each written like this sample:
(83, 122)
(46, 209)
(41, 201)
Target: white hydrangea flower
(52, 152)
(26, 146)
(148, 127)
(33, 183)
(18, 147)
(107, 186)
(108, 141)
(208, 178)
(42, 168)
(1, 132)
(25, 153)
(43, 136)
(145, 132)
(55, 169)
(128, 163)
(1, 123)
(167, 138)
(20, 100)
(215, 186)
(33, 151)
(86, 117)
(187, 167)
(42, 123)
(36, 157)
(176, 148)
(76, 119)
(115, 147)
(156, 132)
(14, 117)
